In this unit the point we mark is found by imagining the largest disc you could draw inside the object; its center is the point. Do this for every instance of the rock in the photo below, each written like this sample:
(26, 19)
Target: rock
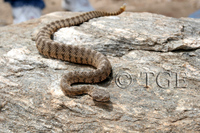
(154, 85)
(3, 23)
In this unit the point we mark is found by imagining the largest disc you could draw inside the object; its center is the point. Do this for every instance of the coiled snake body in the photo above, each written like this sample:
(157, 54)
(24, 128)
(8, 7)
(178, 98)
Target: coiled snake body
(76, 54)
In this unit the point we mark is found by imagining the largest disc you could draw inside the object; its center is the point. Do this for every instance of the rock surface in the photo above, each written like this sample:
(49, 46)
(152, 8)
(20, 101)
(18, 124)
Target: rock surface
(154, 85)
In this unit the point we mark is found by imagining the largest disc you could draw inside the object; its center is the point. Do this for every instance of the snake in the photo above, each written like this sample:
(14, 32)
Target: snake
(77, 54)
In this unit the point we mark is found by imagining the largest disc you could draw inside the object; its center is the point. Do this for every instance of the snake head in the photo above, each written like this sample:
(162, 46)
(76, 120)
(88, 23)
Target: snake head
(100, 95)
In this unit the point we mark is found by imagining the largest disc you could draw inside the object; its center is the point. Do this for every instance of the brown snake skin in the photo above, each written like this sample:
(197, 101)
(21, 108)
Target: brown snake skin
(77, 54)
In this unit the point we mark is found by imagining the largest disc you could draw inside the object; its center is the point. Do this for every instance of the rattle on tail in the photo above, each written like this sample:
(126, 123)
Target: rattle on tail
(77, 54)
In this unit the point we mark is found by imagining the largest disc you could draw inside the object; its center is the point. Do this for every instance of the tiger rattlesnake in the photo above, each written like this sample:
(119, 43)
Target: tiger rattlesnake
(76, 54)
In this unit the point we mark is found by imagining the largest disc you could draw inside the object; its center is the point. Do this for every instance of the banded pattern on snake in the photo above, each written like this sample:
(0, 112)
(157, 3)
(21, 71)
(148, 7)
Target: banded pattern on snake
(77, 54)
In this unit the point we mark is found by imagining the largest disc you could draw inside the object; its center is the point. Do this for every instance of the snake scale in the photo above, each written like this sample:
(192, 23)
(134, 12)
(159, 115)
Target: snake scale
(77, 54)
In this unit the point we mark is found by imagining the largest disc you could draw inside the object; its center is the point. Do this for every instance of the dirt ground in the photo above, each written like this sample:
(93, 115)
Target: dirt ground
(172, 8)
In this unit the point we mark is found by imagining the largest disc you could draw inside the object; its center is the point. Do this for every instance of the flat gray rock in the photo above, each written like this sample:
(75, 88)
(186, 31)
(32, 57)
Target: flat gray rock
(154, 85)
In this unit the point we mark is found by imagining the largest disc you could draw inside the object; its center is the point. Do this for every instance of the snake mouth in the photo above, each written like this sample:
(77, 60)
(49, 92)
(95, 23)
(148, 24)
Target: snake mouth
(102, 100)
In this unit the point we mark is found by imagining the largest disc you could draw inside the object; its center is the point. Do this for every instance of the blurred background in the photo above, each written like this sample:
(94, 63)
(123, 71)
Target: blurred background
(171, 8)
